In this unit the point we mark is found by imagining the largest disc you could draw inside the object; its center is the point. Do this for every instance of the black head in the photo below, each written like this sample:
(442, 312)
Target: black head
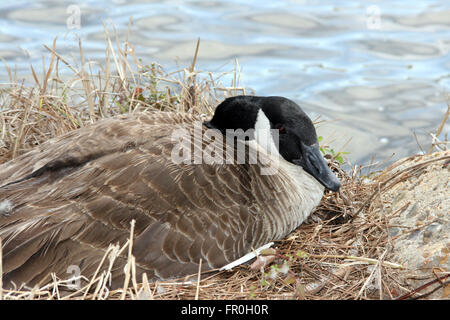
(297, 136)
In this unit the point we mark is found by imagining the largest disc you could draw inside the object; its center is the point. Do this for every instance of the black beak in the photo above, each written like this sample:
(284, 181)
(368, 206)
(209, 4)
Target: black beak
(314, 163)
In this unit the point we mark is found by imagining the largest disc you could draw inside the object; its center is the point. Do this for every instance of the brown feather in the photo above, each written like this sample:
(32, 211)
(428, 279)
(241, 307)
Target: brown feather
(74, 195)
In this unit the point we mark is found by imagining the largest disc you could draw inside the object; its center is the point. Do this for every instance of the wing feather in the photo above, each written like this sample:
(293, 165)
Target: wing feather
(76, 194)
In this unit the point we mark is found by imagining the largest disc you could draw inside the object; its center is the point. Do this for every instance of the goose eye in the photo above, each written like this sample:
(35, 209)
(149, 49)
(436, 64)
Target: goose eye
(282, 130)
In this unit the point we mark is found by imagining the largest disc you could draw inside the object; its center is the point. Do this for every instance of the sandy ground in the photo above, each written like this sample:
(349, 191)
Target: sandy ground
(419, 208)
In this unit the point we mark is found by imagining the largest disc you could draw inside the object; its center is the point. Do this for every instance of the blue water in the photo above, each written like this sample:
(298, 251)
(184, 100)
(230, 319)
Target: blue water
(380, 70)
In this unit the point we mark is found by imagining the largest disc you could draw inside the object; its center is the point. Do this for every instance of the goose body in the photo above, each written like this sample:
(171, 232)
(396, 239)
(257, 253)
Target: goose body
(63, 203)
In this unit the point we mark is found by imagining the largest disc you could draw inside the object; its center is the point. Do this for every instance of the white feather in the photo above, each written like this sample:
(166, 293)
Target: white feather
(6, 207)
(264, 135)
(247, 257)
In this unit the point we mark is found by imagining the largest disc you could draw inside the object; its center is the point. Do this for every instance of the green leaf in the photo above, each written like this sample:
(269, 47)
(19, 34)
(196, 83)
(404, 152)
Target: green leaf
(302, 254)
(264, 282)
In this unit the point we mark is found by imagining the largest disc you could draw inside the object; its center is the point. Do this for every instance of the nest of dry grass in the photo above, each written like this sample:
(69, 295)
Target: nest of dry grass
(343, 253)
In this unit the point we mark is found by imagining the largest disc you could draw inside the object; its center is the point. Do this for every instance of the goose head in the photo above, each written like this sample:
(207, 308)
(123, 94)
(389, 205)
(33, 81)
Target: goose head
(297, 138)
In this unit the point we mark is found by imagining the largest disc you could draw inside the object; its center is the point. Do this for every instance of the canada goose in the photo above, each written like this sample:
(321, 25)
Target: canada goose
(64, 202)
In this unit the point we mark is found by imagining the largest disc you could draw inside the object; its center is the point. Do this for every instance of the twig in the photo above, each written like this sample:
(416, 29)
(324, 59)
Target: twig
(412, 292)
(129, 262)
(146, 286)
(198, 279)
(363, 259)
(441, 126)
(417, 141)
(378, 265)
(431, 291)
(94, 277)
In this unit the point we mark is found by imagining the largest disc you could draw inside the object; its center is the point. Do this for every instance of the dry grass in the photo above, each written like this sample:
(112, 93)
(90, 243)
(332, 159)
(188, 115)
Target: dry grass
(69, 96)
(344, 253)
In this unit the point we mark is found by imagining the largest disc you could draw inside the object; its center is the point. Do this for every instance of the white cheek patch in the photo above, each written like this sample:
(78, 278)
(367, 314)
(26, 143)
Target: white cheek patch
(265, 136)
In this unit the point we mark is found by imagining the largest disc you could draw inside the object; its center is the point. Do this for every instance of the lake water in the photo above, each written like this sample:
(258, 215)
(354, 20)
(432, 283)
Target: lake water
(379, 69)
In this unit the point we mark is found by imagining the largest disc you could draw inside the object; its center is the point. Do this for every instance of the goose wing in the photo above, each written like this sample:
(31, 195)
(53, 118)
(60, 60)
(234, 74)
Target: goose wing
(68, 200)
